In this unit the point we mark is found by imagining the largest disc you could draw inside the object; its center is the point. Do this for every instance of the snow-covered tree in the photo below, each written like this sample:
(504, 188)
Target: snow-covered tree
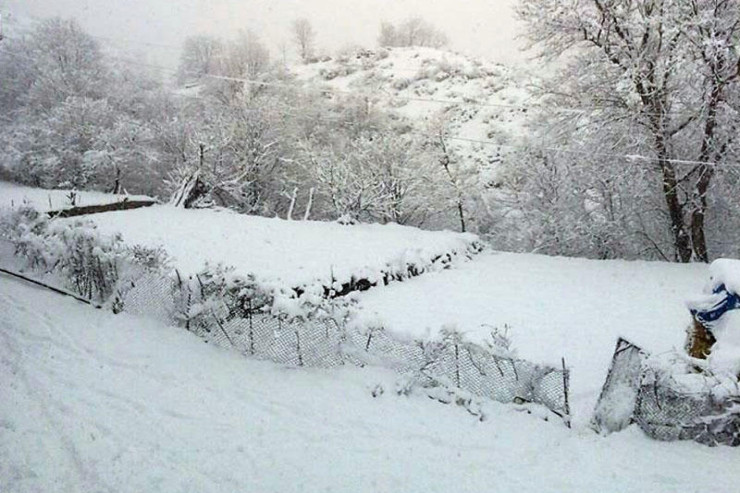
(201, 55)
(413, 31)
(304, 37)
(666, 72)
(63, 61)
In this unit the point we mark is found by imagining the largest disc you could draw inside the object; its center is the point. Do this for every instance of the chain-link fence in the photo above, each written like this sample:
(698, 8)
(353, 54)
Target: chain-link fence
(649, 395)
(230, 321)
(323, 342)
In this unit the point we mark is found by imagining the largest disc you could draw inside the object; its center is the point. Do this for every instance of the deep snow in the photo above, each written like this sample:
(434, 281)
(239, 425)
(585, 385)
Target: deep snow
(96, 402)
(554, 307)
(289, 253)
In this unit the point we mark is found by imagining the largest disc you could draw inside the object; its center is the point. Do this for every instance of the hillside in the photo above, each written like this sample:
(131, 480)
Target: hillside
(475, 99)
(97, 402)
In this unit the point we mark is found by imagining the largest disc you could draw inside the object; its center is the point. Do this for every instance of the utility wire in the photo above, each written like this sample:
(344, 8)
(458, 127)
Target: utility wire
(327, 89)
(330, 90)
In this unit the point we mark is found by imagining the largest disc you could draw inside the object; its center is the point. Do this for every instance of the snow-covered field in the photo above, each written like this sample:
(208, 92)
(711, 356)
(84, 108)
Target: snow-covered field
(554, 307)
(97, 402)
(290, 253)
(14, 195)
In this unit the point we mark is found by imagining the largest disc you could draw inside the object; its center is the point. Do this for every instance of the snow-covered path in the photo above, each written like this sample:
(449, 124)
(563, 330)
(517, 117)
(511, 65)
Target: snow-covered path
(94, 402)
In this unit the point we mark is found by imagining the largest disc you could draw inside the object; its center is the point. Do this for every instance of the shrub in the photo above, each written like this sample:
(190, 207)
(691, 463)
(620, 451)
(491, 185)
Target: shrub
(100, 268)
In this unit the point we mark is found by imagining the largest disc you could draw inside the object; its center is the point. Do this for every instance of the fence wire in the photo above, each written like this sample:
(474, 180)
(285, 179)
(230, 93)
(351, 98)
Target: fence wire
(325, 343)
(635, 391)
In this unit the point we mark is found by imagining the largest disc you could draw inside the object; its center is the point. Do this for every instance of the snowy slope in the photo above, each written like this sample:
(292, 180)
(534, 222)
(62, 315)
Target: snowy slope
(476, 99)
(14, 195)
(97, 402)
(555, 307)
(289, 253)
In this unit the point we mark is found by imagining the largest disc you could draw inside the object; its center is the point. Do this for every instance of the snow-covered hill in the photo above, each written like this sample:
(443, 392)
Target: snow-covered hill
(92, 401)
(475, 99)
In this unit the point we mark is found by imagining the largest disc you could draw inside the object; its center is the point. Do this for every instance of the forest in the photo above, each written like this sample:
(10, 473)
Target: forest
(629, 149)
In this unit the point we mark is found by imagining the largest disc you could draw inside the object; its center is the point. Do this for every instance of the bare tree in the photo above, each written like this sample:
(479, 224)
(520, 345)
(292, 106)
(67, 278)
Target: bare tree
(201, 55)
(671, 67)
(304, 37)
(414, 31)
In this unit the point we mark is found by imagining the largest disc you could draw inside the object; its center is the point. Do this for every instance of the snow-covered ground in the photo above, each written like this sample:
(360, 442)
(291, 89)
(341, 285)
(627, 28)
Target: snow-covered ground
(554, 307)
(14, 195)
(476, 100)
(290, 253)
(91, 401)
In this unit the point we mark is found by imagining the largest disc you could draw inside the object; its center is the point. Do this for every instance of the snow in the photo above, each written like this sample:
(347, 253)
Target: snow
(724, 280)
(477, 99)
(97, 402)
(288, 253)
(554, 307)
(725, 355)
(724, 271)
(14, 195)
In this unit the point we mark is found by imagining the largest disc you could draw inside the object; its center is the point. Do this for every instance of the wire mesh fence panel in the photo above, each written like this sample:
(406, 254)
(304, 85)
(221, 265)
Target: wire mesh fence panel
(549, 387)
(402, 356)
(150, 295)
(8, 259)
(665, 413)
(615, 408)
(472, 369)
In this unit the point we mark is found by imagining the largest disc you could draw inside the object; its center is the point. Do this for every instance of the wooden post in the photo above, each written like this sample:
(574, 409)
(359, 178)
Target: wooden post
(566, 383)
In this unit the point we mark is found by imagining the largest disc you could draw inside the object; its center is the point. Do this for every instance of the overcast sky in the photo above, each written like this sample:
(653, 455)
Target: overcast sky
(478, 27)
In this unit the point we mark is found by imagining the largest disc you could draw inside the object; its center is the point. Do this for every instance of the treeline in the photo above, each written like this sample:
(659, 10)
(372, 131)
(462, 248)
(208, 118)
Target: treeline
(77, 119)
(631, 150)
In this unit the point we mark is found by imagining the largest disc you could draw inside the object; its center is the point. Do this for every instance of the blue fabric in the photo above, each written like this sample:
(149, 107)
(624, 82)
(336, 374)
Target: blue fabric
(729, 301)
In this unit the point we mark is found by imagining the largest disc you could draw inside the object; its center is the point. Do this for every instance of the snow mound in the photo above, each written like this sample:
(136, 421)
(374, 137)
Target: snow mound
(724, 272)
(290, 254)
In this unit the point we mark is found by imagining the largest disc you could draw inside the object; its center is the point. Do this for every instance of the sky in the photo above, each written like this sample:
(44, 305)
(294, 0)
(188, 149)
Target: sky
(155, 29)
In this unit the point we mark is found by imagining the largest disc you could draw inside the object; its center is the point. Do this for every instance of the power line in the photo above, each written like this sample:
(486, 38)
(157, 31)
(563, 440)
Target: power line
(330, 90)
(327, 89)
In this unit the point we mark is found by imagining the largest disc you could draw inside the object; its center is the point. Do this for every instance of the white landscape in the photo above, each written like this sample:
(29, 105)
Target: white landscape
(336, 246)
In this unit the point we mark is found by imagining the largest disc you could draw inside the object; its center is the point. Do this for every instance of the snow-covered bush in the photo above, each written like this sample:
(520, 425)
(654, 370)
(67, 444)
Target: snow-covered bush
(97, 267)
(217, 295)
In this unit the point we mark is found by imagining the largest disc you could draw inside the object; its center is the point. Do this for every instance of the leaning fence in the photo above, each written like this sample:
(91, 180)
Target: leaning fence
(248, 325)
(650, 394)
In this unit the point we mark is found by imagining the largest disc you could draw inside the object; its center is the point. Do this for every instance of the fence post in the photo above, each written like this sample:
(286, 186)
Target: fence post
(251, 327)
(566, 383)
(457, 364)
(298, 346)
(369, 339)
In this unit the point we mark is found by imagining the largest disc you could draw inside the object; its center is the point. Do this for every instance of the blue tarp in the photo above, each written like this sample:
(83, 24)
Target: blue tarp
(724, 302)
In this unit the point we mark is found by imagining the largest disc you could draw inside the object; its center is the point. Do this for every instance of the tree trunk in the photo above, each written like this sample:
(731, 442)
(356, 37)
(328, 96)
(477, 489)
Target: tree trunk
(706, 172)
(681, 240)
